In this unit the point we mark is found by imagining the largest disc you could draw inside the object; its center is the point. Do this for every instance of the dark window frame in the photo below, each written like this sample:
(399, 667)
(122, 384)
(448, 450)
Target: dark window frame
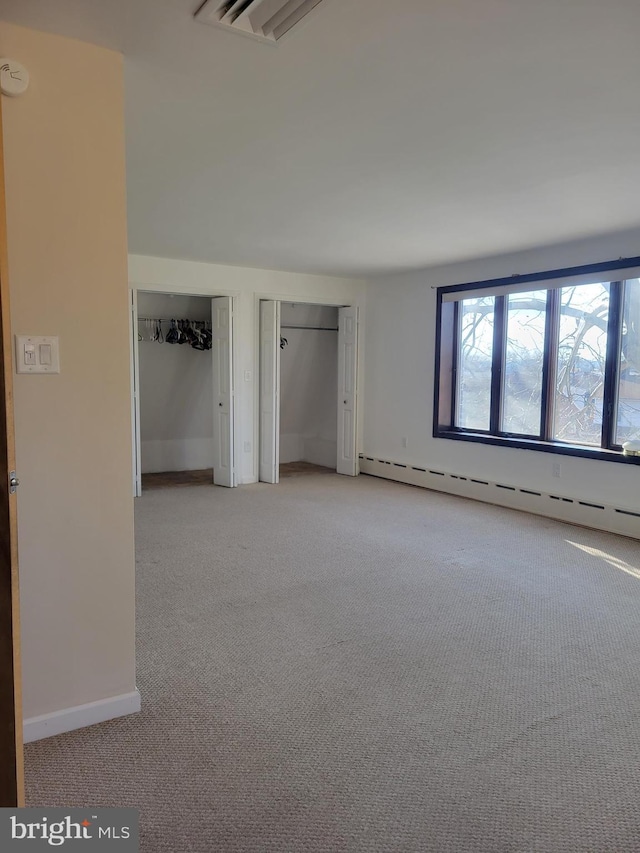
(447, 353)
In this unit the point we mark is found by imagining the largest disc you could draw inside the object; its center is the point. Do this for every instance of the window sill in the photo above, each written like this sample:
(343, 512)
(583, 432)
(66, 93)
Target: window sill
(596, 453)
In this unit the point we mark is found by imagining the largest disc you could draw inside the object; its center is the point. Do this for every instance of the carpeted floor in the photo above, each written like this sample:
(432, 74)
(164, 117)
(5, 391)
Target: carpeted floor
(336, 664)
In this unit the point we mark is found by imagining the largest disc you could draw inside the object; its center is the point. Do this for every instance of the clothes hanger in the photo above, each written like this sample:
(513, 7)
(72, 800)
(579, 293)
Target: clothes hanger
(172, 334)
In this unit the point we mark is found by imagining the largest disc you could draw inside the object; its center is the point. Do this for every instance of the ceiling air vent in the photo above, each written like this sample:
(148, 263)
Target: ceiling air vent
(267, 20)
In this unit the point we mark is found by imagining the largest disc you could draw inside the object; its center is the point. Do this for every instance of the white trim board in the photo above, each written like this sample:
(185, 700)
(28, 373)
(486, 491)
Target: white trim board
(585, 513)
(68, 719)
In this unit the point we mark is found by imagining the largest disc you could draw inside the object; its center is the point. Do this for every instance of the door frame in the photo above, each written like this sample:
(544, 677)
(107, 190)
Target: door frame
(323, 301)
(11, 736)
(168, 289)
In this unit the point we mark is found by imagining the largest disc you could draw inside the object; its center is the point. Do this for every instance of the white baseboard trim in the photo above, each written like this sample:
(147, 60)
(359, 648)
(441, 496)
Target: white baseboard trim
(68, 719)
(586, 513)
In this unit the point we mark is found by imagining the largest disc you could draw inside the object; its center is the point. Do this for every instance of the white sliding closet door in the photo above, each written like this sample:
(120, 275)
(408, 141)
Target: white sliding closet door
(269, 392)
(347, 462)
(135, 395)
(222, 331)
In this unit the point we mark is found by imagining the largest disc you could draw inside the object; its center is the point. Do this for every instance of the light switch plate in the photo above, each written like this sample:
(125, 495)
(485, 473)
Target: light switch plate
(37, 354)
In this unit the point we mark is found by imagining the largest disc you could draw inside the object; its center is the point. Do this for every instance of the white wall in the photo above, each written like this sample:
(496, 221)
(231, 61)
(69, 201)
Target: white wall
(176, 392)
(247, 286)
(67, 237)
(399, 382)
(309, 385)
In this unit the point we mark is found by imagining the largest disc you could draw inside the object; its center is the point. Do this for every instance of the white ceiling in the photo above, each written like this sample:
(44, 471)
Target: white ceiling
(378, 136)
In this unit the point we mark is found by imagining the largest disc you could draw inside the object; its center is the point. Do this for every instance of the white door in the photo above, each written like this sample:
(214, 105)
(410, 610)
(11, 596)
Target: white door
(222, 331)
(135, 396)
(347, 462)
(269, 392)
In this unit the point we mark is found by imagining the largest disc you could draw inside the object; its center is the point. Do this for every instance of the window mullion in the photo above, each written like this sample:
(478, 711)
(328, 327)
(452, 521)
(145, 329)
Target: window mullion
(549, 363)
(497, 363)
(612, 362)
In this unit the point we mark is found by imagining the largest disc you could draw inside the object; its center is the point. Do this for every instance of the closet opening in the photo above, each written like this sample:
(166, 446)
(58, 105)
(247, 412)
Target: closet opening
(308, 388)
(182, 390)
(308, 368)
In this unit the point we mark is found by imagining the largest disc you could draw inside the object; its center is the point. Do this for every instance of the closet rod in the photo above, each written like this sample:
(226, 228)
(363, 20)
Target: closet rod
(168, 320)
(313, 328)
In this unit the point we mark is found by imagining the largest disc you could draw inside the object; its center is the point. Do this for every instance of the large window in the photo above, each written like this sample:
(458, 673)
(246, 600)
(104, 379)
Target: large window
(548, 363)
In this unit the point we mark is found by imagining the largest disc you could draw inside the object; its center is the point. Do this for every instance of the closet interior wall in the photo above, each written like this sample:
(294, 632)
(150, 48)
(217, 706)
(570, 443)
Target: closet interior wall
(309, 384)
(176, 396)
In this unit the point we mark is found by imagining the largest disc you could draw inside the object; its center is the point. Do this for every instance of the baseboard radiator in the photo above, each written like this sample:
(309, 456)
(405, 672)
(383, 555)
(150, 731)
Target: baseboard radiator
(613, 519)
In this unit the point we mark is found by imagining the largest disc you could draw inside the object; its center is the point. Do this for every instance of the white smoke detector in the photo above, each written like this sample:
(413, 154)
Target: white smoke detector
(14, 78)
(267, 20)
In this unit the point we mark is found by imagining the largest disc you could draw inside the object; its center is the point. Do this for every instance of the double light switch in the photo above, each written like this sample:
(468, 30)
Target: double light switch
(37, 354)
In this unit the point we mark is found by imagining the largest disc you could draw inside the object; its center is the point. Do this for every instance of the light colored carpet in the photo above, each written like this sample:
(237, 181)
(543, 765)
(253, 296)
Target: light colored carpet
(355, 665)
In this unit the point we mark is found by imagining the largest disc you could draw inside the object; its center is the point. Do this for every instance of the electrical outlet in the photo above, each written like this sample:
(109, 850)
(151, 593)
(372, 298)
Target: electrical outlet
(556, 469)
(247, 447)
(404, 442)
